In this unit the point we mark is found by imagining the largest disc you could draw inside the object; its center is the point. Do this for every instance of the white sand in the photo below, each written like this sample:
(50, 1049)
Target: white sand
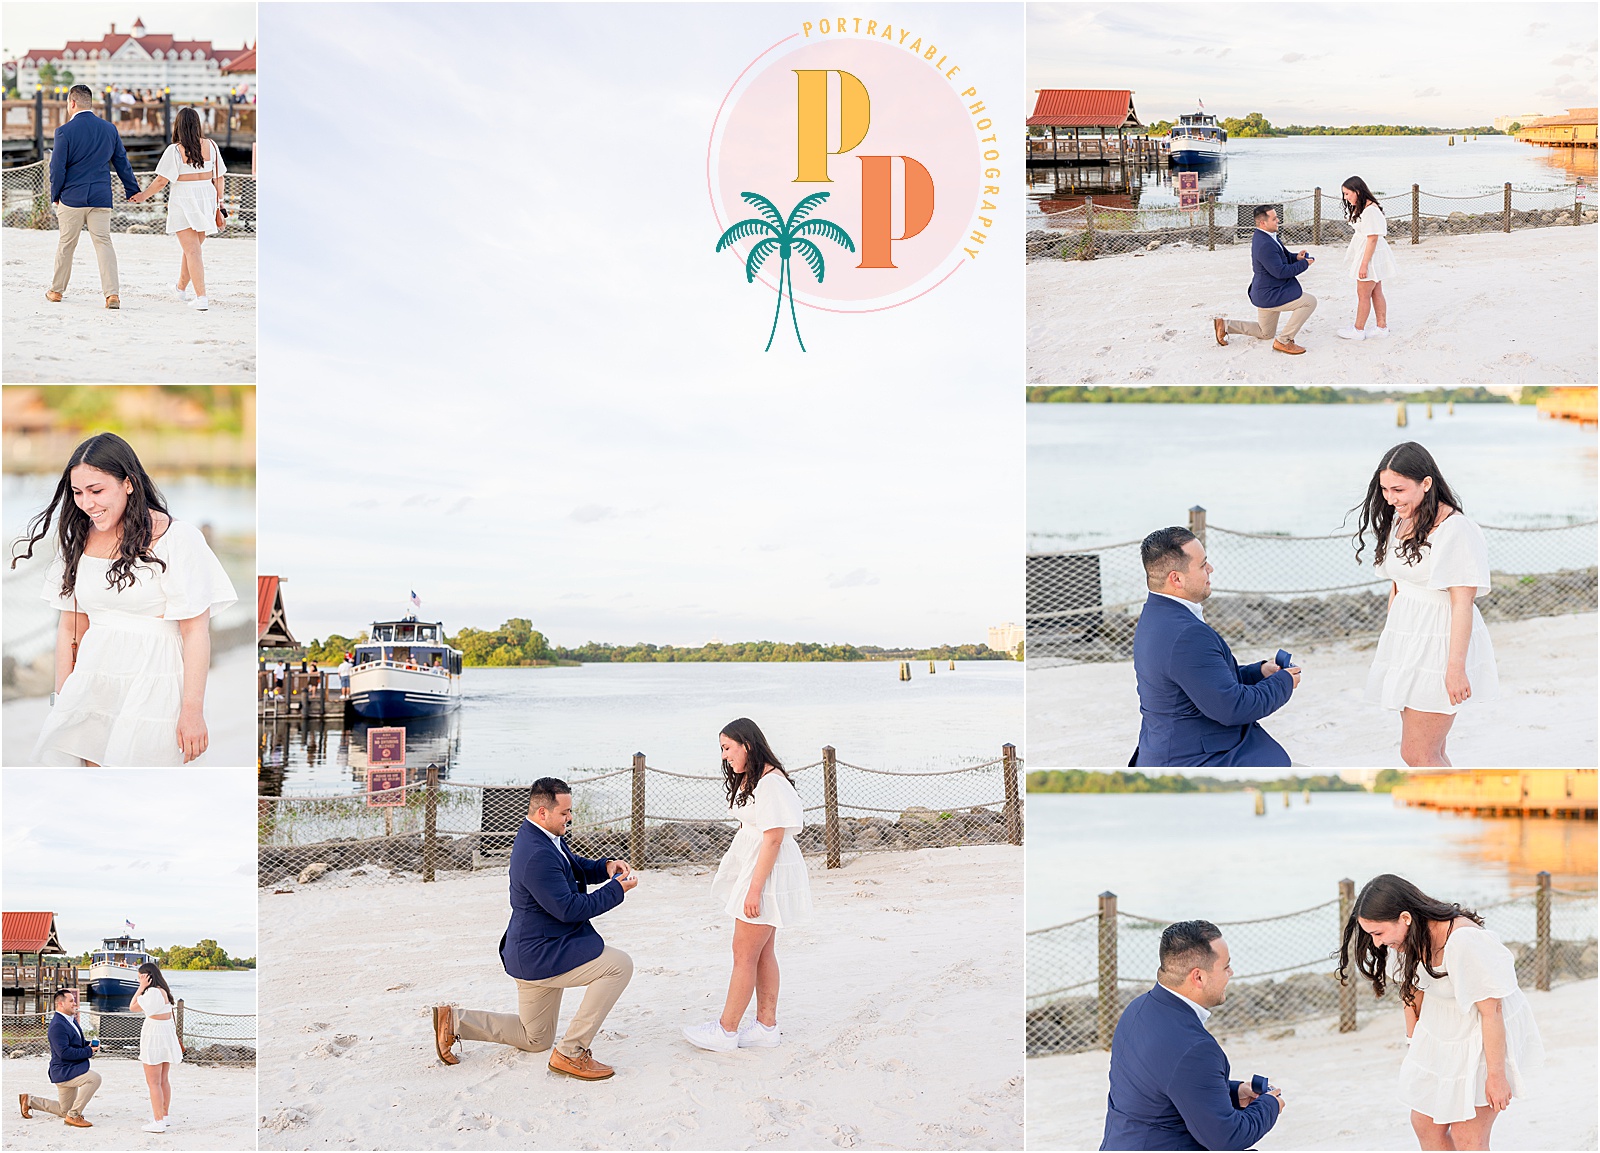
(230, 716)
(1545, 715)
(214, 1106)
(1339, 1088)
(901, 1005)
(1494, 308)
(153, 338)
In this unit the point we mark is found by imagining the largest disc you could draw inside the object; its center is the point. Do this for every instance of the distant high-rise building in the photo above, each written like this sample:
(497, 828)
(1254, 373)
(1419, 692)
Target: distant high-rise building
(138, 60)
(1504, 123)
(1006, 637)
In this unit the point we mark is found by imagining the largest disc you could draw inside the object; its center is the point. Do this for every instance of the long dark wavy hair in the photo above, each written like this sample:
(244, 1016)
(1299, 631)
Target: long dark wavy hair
(1364, 197)
(157, 981)
(1416, 463)
(109, 453)
(1384, 898)
(741, 786)
(186, 131)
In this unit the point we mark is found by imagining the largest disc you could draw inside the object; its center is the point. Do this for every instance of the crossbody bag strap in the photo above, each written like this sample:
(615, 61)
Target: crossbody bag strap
(74, 633)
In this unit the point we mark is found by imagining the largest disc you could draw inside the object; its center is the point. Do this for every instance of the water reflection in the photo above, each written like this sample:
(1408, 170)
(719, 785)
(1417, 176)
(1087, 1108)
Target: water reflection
(1060, 189)
(1572, 163)
(334, 749)
(1566, 849)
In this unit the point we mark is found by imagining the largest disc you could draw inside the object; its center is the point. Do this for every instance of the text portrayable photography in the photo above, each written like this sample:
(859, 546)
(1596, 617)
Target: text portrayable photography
(128, 195)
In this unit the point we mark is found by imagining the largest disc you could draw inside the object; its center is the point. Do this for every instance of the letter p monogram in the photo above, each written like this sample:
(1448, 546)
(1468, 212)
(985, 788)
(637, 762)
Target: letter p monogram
(854, 116)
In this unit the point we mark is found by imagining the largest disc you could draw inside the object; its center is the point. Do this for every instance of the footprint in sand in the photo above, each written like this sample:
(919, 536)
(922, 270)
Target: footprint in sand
(336, 1046)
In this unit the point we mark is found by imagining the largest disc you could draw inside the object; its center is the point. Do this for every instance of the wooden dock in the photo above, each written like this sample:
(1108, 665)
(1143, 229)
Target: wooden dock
(1568, 794)
(303, 693)
(27, 127)
(1577, 403)
(1574, 130)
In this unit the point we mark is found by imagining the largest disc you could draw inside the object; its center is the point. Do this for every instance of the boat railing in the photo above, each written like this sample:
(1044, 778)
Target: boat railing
(405, 666)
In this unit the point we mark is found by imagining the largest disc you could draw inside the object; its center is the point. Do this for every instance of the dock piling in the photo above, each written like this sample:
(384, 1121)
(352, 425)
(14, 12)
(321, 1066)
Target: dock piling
(1261, 803)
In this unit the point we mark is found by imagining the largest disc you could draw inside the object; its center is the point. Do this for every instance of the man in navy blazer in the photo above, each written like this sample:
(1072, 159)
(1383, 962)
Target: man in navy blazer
(551, 946)
(1170, 1087)
(1274, 288)
(70, 1052)
(1197, 705)
(80, 188)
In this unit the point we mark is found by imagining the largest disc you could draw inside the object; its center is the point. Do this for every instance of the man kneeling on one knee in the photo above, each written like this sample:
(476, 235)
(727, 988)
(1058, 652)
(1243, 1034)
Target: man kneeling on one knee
(70, 1054)
(550, 945)
(1274, 289)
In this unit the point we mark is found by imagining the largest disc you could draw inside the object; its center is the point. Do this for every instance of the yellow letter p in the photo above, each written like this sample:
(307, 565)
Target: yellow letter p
(854, 116)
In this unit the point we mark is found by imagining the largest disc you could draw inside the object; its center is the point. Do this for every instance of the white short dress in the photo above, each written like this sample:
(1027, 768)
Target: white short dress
(786, 897)
(191, 203)
(119, 706)
(1408, 671)
(1445, 1070)
(158, 1040)
(1371, 222)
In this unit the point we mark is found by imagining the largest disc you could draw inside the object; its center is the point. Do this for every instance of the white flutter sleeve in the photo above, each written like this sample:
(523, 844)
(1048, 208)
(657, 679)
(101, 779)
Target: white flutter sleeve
(1460, 556)
(167, 166)
(194, 580)
(778, 805)
(1480, 967)
(1372, 222)
(51, 592)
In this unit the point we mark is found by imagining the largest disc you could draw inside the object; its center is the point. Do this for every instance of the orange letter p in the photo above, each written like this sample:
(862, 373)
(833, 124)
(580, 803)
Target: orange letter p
(876, 202)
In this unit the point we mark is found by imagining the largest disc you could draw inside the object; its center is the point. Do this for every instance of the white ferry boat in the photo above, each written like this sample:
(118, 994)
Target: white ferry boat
(406, 670)
(114, 966)
(1197, 138)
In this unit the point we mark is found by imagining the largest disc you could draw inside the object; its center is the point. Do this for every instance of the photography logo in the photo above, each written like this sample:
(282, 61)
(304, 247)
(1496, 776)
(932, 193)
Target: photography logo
(852, 168)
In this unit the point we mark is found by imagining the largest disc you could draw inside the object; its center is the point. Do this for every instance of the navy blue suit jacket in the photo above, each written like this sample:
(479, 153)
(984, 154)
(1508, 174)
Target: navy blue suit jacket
(1198, 706)
(1170, 1086)
(551, 907)
(69, 1051)
(1275, 268)
(80, 166)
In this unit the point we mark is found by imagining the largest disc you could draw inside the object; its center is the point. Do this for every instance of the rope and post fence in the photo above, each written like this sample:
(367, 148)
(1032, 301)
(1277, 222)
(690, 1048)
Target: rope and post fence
(25, 203)
(207, 1038)
(1082, 973)
(1281, 590)
(643, 814)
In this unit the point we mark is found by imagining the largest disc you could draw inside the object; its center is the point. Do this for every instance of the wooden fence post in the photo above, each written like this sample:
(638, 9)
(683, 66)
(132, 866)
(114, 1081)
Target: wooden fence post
(1316, 215)
(1197, 523)
(1416, 215)
(430, 823)
(177, 1020)
(1508, 207)
(1541, 934)
(1088, 252)
(1577, 206)
(38, 126)
(166, 116)
(1008, 758)
(1347, 989)
(830, 805)
(636, 833)
(1211, 225)
(1106, 1005)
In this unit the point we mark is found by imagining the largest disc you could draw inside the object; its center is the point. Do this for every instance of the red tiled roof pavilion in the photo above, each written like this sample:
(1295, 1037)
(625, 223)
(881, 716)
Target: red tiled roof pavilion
(1108, 108)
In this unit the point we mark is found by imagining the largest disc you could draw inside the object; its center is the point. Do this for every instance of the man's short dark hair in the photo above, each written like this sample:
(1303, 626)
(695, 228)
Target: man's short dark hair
(1162, 551)
(1185, 946)
(545, 791)
(1263, 209)
(81, 94)
(60, 993)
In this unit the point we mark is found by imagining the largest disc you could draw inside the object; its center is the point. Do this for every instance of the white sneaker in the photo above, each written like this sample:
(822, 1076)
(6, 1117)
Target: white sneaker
(183, 294)
(755, 1035)
(200, 303)
(712, 1036)
(1377, 334)
(1352, 333)
(154, 1126)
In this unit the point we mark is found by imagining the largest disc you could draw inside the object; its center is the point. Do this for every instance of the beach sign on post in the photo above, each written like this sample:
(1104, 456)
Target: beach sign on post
(1188, 186)
(386, 747)
(386, 788)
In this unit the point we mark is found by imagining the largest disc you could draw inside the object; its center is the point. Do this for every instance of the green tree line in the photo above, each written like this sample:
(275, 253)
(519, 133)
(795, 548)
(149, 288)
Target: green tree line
(1096, 781)
(1255, 124)
(1256, 394)
(207, 954)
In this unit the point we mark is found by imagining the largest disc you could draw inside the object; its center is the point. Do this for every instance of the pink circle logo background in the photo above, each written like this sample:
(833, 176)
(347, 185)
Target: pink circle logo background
(914, 111)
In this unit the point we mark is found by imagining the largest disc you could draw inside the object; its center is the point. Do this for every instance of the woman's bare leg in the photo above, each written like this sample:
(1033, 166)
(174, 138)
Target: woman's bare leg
(1363, 301)
(166, 1088)
(1430, 1135)
(152, 1080)
(1473, 1134)
(190, 239)
(767, 982)
(748, 942)
(1422, 737)
(1380, 305)
(183, 269)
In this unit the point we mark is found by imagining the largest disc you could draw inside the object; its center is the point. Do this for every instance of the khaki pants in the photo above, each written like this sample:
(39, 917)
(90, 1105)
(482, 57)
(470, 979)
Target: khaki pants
(73, 222)
(1266, 328)
(533, 1027)
(73, 1096)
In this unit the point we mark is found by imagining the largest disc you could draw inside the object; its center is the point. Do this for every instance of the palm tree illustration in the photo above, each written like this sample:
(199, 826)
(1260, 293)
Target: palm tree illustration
(786, 238)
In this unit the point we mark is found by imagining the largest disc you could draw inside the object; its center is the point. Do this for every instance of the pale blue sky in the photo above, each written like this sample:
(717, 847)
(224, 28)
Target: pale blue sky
(172, 850)
(509, 371)
(1448, 65)
(29, 24)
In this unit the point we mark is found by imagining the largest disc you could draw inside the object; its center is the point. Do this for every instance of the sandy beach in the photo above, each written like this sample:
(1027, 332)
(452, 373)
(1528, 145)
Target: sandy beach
(900, 1005)
(1497, 308)
(1545, 715)
(214, 1107)
(1339, 1089)
(152, 338)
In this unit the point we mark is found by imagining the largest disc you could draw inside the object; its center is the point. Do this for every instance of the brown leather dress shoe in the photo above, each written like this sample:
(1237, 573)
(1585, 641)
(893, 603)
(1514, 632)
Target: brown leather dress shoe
(1220, 327)
(22, 1099)
(113, 301)
(77, 1122)
(444, 1033)
(1288, 346)
(584, 1067)
(52, 297)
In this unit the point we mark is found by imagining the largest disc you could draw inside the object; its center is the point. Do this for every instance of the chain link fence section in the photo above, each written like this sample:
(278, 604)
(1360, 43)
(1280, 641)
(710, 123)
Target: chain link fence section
(1274, 590)
(1090, 230)
(25, 203)
(641, 814)
(207, 1038)
(1081, 974)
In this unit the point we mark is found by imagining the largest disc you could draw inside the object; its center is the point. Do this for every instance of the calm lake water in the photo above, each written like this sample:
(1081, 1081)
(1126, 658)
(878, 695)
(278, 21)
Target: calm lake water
(1093, 475)
(215, 992)
(518, 724)
(1291, 166)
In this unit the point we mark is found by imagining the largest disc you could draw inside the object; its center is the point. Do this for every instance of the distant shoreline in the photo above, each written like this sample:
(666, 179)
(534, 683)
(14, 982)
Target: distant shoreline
(1093, 781)
(1267, 394)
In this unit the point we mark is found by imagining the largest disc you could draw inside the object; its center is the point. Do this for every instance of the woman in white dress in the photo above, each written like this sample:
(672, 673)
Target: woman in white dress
(136, 590)
(1470, 1030)
(1369, 258)
(159, 1048)
(1435, 653)
(761, 883)
(193, 165)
